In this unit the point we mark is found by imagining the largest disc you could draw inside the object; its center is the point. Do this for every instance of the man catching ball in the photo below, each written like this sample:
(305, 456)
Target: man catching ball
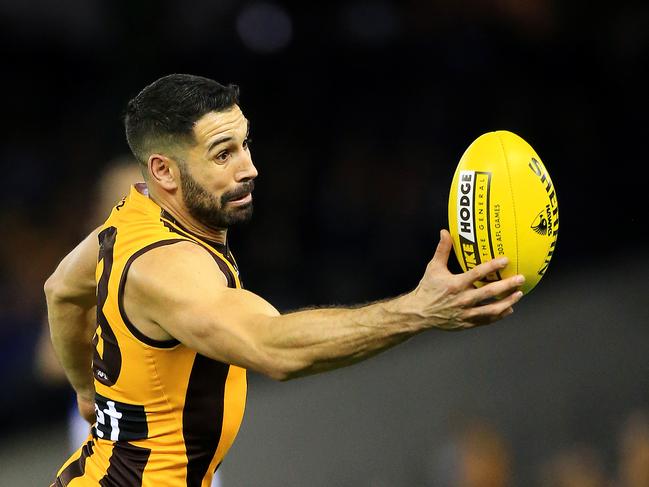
(160, 368)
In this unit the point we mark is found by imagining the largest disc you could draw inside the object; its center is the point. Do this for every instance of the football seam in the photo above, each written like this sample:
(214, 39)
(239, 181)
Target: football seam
(511, 192)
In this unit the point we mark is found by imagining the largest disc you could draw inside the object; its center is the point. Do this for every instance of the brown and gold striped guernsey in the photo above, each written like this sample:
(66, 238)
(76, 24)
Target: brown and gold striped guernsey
(166, 415)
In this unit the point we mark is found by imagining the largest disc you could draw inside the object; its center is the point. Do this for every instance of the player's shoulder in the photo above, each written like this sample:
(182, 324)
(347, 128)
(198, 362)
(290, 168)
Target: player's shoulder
(173, 261)
(175, 252)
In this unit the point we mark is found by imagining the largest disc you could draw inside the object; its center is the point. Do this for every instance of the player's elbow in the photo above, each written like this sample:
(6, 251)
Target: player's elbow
(59, 291)
(284, 369)
(281, 375)
(55, 290)
(276, 374)
(283, 363)
(235, 345)
(271, 367)
(52, 287)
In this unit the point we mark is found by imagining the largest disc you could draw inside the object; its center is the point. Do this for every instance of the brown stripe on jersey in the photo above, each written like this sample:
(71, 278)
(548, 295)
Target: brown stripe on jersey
(174, 226)
(76, 468)
(108, 365)
(224, 268)
(203, 416)
(120, 297)
(177, 227)
(125, 466)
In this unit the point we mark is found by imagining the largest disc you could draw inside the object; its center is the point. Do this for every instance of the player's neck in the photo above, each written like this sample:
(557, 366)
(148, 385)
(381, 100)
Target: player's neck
(190, 224)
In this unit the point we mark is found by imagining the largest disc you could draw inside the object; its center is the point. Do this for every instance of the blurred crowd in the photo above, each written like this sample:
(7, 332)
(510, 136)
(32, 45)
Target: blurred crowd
(477, 454)
(358, 122)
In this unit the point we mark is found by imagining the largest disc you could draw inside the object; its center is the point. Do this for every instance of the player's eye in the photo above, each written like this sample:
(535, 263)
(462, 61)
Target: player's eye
(246, 143)
(223, 156)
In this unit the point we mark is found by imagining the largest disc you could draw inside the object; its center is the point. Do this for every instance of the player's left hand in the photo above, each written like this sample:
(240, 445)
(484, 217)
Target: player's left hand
(452, 302)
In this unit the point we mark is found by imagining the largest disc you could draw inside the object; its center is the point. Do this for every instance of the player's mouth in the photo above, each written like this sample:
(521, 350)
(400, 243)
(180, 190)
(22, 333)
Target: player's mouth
(242, 196)
(244, 200)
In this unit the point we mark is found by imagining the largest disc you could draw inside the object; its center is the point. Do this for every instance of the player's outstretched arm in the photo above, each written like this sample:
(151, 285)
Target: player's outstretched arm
(178, 291)
(71, 301)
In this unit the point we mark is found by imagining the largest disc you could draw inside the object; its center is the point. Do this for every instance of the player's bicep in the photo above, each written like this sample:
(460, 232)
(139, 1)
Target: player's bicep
(183, 291)
(74, 278)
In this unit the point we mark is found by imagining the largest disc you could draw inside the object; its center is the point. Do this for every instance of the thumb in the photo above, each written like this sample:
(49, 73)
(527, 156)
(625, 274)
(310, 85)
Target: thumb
(443, 250)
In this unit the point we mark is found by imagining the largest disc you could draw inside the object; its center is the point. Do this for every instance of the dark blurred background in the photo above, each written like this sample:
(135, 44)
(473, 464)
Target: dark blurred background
(360, 111)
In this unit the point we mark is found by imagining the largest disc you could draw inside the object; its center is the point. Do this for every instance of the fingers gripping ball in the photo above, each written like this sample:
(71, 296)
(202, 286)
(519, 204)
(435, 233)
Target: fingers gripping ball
(503, 203)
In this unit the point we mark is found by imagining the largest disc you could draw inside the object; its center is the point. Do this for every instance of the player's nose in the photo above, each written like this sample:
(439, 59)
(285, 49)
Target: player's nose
(247, 169)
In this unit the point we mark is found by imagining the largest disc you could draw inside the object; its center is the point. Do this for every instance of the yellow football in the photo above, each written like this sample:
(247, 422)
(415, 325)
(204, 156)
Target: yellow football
(503, 203)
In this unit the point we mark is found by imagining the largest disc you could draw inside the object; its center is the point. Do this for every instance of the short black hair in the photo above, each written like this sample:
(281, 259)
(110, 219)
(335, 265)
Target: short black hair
(164, 113)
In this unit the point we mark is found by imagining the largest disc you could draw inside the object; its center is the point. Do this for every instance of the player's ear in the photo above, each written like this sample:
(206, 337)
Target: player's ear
(164, 171)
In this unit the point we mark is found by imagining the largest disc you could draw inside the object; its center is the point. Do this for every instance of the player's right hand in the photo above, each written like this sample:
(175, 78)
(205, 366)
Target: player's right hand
(452, 302)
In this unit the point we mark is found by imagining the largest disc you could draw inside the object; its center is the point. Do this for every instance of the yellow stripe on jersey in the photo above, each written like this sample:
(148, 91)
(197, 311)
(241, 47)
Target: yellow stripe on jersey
(165, 414)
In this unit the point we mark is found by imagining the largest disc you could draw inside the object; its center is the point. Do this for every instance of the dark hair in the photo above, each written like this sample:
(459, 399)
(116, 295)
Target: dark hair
(164, 113)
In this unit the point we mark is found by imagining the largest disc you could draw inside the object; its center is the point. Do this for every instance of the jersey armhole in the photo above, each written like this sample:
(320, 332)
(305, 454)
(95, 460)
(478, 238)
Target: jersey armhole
(120, 299)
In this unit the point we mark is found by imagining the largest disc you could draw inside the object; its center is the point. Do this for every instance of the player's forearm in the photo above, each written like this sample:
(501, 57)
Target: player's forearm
(316, 340)
(71, 329)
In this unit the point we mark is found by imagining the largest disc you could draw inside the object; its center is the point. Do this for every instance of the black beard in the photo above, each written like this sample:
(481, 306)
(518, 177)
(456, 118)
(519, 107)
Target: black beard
(208, 210)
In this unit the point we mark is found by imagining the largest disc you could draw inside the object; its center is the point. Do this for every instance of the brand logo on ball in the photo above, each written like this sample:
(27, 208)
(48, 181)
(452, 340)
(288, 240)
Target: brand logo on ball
(547, 221)
(473, 219)
(540, 224)
(465, 205)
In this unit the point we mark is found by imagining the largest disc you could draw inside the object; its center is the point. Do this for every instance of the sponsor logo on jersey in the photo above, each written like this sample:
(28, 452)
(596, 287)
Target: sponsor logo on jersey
(119, 421)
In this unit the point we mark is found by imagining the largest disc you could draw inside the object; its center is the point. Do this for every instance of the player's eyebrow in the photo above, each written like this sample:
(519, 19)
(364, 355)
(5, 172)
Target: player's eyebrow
(218, 142)
(227, 138)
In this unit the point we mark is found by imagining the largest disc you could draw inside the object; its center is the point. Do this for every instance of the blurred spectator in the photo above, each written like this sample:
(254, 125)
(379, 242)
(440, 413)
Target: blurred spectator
(485, 457)
(476, 455)
(633, 468)
(574, 467)
(113, 184)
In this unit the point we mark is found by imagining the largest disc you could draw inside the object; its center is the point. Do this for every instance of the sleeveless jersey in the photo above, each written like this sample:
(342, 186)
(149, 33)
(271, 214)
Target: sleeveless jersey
(166, 415)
